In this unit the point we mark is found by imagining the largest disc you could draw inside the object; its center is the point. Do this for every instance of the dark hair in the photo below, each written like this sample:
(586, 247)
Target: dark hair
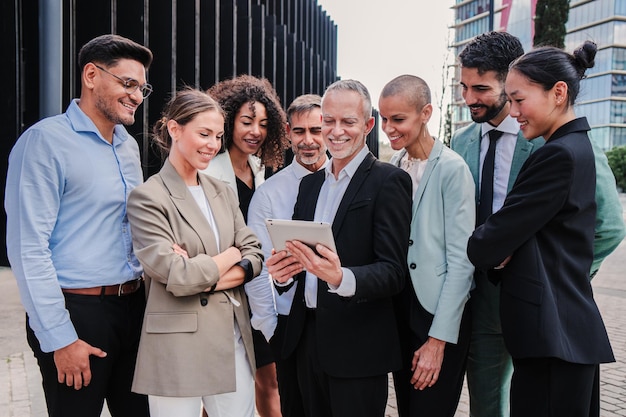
(232, 94)
(303, 104)
(548, 65)
(491, 51)
(410, 86)
(108, 49)
(182, 107)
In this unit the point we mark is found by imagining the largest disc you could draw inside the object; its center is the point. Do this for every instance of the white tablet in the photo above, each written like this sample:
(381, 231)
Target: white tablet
(307, 232)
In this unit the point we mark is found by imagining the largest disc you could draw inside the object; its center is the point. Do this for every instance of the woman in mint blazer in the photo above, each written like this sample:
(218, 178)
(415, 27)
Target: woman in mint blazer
(433, 313)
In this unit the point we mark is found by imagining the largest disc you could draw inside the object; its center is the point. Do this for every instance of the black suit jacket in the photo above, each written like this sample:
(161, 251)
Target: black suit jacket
(547, 225)
(357, 336)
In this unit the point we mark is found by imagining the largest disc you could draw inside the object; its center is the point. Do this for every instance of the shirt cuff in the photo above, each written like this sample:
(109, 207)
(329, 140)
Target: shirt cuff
(347, 288)
(283, 287)
(57, 338)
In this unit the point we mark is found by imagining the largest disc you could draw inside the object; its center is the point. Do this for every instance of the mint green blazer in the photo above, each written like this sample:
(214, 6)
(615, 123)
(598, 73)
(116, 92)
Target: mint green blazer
(466, 142)
(610, 228)
(444, 215)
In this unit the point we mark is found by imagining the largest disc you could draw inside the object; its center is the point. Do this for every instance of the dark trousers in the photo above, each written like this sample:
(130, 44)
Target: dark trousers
(550, 387)
(288, 388)
(263, 354)
(442, 399)
(112, 324)
(287, 375)
(327, 396)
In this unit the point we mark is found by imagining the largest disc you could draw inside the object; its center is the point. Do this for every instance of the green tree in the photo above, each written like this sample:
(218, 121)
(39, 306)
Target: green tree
(617, 162)
(550, 19)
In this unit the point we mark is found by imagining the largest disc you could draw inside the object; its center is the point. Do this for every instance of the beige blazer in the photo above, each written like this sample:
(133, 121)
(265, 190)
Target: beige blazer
(187, 342)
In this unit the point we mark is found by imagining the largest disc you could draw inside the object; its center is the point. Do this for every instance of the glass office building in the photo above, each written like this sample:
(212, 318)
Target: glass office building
(603, 93)
(602, 99)
(473, 17)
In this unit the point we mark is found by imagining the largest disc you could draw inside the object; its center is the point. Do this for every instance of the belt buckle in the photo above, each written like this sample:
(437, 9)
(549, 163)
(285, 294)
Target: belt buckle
(120, 288)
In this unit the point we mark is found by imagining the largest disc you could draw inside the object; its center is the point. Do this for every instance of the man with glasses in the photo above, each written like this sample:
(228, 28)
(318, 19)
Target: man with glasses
(68, 237)
(130, 84)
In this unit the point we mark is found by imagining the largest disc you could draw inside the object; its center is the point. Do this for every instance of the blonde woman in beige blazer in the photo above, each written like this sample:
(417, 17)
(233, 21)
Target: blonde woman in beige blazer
(191, 238)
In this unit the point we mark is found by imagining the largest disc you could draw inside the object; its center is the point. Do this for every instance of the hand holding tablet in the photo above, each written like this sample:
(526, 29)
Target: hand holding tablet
(308, 232)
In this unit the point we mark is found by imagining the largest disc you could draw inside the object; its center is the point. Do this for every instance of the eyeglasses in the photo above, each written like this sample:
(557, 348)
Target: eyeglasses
(130, 85)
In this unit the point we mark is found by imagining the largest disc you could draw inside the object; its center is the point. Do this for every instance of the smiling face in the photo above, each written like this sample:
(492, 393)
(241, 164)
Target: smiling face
(110, 99)
(402, 122)
(484, 95)
(344, 126)
(307, 143)
(196, 143)
(539, 112)
(249, 129)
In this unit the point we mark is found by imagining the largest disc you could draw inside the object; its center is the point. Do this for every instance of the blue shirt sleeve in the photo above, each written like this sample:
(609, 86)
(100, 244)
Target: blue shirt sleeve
(33, 190)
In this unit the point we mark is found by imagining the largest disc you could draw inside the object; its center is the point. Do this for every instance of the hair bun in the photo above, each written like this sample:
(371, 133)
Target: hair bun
(584, 57)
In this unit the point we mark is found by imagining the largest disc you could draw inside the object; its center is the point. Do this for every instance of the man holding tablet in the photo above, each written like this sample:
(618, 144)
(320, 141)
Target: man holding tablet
(341, 328)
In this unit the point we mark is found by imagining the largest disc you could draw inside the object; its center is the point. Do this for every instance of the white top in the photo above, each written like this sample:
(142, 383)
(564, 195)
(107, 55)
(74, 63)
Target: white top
(198, 195)
(415, 168)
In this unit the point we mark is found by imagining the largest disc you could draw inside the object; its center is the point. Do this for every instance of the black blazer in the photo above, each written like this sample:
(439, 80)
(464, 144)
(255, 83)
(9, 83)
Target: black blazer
(357, 336)
(547, 225)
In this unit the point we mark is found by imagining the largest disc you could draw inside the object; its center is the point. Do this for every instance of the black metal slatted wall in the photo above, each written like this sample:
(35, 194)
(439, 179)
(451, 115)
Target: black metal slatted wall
(293, 43)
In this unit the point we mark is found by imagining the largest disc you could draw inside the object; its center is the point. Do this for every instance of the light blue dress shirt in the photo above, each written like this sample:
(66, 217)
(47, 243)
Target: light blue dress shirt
(67, 227)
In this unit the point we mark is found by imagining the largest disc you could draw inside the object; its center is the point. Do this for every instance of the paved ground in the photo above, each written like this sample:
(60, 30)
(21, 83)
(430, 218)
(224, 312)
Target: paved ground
(21, 394)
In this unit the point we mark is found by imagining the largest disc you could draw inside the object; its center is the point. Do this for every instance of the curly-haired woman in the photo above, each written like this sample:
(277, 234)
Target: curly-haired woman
(255, 139)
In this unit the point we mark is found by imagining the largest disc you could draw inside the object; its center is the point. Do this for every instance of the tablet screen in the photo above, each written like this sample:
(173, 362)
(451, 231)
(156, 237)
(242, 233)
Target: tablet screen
(307, 232)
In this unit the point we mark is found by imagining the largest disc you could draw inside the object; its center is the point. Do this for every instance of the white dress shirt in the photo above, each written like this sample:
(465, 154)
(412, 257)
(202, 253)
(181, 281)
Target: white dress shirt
(505, 147)
(328, 201)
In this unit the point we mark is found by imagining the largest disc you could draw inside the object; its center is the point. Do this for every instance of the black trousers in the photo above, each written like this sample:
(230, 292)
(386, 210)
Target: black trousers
(550, 387)
(263, 354)
(290, 397)
(112, 324)
(326, 396)
(442, 399)
(287, 375)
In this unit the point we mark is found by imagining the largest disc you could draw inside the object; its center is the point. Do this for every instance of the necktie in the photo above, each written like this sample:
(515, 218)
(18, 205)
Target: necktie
(485, 203)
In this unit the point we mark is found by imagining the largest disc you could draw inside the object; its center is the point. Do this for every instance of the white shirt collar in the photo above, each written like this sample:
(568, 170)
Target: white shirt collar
(301, 172)
(352, 166)
(508, 125)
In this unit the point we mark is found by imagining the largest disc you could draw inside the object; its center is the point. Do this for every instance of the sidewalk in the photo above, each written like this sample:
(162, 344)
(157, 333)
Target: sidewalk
(21, 394)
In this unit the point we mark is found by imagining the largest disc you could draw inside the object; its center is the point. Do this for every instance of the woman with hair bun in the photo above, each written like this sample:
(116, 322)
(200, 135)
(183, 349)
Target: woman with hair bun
(196, 250)
(541, 244)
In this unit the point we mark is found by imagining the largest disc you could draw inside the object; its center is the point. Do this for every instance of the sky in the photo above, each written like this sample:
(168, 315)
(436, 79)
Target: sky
(394, 37)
